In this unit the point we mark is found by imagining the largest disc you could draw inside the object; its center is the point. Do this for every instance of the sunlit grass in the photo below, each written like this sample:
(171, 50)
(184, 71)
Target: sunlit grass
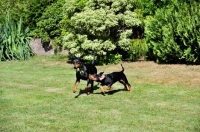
(36, 95)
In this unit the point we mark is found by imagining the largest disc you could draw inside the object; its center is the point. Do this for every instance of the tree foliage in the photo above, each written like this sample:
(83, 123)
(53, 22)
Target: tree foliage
(48, 24)
(101, 27)
(173, 33)
(149, 7)
(108, 28)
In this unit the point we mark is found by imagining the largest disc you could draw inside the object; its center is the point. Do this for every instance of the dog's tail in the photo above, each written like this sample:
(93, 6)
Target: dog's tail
(122, 68)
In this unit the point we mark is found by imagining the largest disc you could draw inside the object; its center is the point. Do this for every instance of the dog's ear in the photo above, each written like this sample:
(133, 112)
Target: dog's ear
(101, 73)
(80, 58)
(73, 56)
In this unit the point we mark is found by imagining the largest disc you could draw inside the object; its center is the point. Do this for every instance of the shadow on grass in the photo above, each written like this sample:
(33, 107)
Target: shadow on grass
(111, 92)
(85, 91)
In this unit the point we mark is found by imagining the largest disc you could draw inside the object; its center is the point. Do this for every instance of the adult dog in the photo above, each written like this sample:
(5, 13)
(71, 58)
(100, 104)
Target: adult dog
(110, 79)
(82, 72)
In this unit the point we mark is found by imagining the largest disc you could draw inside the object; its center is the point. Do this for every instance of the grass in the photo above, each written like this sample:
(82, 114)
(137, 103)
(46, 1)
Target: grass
(36, 95)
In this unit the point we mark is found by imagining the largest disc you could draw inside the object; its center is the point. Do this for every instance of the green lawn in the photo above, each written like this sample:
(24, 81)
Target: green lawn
(36, 96)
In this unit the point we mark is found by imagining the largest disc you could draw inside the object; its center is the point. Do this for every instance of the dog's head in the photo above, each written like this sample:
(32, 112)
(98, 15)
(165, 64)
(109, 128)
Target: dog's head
(77, 61)
(98, 77)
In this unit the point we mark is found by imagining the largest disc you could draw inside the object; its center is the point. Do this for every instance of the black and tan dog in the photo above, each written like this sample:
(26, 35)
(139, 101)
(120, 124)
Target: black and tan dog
(110, 79)
(82, 72)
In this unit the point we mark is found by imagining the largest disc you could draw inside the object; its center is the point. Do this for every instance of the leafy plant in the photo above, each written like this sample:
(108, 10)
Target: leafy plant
(47, 25)
(14, 41)
(109, 59)
(138, 49)
(173, 33)
(101, 27)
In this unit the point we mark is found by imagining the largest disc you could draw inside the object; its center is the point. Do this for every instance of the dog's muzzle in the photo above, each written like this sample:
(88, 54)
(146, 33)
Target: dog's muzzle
(75, 66)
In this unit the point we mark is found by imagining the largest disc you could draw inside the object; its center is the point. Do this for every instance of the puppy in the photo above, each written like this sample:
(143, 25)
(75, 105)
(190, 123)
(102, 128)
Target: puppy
(110, 79)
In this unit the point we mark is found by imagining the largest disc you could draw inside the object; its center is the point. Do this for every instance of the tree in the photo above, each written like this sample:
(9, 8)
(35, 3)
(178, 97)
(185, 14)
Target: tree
(173, 34)
(48, 23)
(100, 27)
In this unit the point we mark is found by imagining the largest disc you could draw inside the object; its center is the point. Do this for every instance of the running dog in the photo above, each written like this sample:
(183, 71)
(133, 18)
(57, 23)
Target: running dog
(82, 72)
(110, 79)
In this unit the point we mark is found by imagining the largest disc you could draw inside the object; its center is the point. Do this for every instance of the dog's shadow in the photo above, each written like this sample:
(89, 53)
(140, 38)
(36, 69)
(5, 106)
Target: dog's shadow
(111, 92)
(83, 91)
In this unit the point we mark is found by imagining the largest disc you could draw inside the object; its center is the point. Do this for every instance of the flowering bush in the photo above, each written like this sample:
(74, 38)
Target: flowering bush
(101, 28)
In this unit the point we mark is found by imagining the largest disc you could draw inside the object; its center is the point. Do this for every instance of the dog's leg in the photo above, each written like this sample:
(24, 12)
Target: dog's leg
(102, 89)
(92, 87)
(130, 88)
(75, 87)
(86, 87)
(126, 85)
(109, 88)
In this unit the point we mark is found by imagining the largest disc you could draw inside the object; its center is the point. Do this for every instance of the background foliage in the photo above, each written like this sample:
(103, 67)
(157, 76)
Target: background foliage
(114, 30)
(14, 40)
(103, 28)
(47, 25)
(173, 33)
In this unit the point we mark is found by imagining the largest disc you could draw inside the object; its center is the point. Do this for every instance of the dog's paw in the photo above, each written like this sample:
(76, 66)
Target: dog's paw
(109, 88)
(103, 93)
(74, 91)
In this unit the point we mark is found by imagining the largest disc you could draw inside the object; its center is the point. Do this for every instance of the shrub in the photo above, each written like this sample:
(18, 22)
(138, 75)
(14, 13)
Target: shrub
(48, 24)
(138, 49)
(14, 41)
(102, 28)
(173, 33)
(109, 59)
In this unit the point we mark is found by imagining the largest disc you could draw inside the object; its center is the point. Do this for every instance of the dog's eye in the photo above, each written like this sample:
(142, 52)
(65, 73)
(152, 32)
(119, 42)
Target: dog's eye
(76, 62)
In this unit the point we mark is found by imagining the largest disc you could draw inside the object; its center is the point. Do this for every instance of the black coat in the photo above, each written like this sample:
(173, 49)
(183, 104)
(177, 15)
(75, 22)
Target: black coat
(84, 71)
